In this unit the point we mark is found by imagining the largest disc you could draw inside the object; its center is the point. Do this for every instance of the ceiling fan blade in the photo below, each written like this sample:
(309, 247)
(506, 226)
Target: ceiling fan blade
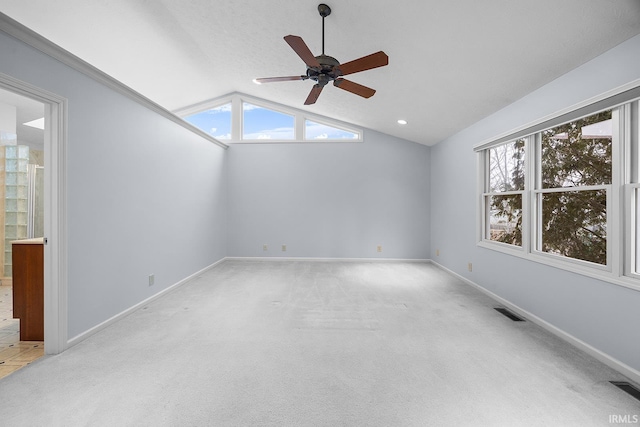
(375, 60)
(313, 95)
(358, 89)
(279, 79)
(301, 48)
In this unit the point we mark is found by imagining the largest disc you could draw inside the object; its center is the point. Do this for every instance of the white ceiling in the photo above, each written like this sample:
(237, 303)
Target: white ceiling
(451, 63)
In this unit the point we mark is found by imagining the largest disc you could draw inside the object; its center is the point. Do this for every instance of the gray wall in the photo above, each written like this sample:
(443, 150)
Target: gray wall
(603, 315)
(145, 195)
(330, 199)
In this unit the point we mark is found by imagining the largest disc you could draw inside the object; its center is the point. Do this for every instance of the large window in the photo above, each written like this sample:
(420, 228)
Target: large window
(575, 177)
(568, 194)
(240, 118)
(506, 188)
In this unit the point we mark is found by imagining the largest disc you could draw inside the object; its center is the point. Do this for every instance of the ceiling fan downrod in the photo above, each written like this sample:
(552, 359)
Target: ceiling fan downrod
(324, 12)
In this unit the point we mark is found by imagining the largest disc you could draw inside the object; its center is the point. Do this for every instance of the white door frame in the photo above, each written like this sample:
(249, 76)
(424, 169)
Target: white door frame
(55, 211)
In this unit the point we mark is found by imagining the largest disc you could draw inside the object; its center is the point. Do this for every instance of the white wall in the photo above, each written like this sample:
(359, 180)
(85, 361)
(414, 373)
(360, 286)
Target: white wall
(145, 195)
(603, 315)
(330, 200)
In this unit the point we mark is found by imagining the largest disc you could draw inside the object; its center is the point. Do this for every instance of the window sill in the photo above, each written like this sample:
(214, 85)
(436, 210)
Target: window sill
(294, 141)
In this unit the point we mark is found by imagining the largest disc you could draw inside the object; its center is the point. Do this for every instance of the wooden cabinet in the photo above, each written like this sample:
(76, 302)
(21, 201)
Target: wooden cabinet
(28, 288)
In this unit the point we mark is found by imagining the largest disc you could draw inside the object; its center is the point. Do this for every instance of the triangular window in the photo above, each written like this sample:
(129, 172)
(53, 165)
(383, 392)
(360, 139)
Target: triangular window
(314, 131)
(214, 121)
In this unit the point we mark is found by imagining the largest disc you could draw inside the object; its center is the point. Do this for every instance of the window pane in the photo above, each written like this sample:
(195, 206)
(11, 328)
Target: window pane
(262, 123)
(506, 167)
(578, 153)
(505, 219)
(318, 131)
(574, 224)
(215, 121)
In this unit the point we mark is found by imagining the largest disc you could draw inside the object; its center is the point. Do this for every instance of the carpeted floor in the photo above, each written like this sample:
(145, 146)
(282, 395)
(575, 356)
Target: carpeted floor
(299, 343)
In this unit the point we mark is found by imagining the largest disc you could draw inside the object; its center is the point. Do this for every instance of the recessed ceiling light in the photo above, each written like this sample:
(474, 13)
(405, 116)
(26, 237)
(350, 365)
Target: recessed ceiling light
(402, 122)
(37, 123)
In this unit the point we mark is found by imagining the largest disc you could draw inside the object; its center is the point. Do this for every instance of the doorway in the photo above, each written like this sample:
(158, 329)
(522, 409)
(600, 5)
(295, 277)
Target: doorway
(21, 230)
(50, 155)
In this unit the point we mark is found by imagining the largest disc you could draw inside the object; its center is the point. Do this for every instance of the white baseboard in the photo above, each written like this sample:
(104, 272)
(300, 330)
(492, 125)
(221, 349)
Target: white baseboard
(83, 336)
(326, 259)
(603, 357)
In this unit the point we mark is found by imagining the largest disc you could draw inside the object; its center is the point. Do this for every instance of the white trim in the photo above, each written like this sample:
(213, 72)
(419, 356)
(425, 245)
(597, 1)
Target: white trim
(24, 34)
(630, 191)
(527, 201)
(86, 334)
(603, 357)
(236, 118)
(481, 185)
(55, 259)
(505, 193)
(615, 207)
(576, 189)
(320, 259)
(203, 106)
(632, 268)
(296, 141)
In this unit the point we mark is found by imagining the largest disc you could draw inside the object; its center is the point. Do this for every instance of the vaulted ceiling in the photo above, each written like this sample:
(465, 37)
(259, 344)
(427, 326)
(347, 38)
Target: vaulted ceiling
(451, 63)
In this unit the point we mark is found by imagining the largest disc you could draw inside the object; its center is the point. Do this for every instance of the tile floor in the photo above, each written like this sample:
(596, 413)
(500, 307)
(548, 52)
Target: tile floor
(14, 354)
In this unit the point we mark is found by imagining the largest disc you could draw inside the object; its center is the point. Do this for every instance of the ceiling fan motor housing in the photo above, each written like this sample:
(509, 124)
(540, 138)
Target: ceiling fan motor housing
(329, 70)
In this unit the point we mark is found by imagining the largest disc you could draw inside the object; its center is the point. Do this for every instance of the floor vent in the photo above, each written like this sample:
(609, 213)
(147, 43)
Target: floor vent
(509, 314)
(628, 387)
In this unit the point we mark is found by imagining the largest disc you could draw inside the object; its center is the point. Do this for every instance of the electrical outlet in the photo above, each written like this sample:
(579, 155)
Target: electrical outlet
(470, 267)
(284, 248)
(152, 279)
(379, 248)
(265, 247)
(437, 252)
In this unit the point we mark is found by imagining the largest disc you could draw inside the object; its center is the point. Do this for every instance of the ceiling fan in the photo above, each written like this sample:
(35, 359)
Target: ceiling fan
(323, 69)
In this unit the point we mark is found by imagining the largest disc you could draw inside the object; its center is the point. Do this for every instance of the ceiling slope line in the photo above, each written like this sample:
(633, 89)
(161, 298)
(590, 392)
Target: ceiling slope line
(21, 33)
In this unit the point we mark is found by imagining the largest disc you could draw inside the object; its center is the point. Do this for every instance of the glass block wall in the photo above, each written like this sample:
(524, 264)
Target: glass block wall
(16, 159)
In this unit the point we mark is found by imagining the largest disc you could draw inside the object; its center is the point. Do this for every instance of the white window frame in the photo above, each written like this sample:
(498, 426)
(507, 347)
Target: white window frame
(623, 194)
(631, 193)
(300, 117)
(485, 207)
(612, 205)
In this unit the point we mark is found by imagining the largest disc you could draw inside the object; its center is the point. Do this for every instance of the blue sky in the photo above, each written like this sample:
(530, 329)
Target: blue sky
(262, 124)
(216, 121)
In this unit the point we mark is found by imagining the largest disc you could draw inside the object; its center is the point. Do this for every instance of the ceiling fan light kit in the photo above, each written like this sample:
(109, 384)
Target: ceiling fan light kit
(323, 69)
